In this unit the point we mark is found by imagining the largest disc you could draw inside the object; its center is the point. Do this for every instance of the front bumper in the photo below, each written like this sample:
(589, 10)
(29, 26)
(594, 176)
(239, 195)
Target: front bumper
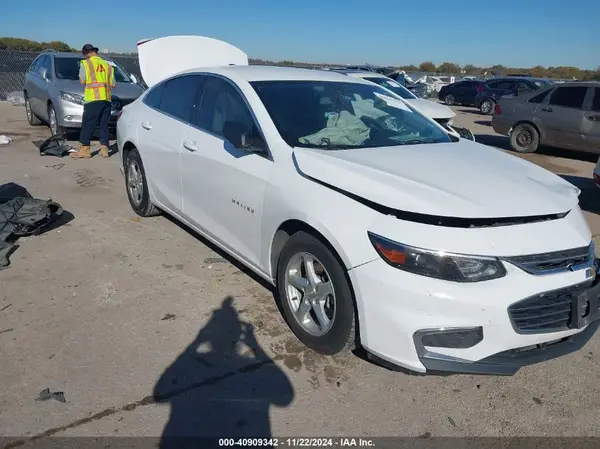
(395, 307)
(70, 115)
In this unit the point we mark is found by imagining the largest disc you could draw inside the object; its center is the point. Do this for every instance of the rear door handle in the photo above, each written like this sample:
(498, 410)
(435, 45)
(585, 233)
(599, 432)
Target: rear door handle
(547, 109)
(190, 146)
(147, 125)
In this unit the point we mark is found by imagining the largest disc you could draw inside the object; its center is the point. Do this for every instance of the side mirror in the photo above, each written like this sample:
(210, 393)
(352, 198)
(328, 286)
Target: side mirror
(133, 78)
(242, 137)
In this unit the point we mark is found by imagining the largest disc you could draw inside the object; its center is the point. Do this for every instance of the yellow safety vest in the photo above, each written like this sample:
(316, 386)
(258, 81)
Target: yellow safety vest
(99, 77)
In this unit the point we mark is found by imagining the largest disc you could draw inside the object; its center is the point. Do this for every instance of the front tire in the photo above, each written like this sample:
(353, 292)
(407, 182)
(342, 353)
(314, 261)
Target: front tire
(315, 295)
(137, 186)
(524, 138)
(33, 119)
(486, 107)
(55, 128)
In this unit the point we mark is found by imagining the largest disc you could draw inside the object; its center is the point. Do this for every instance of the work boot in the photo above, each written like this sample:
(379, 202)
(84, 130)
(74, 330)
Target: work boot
(84, 152)
(104, 151)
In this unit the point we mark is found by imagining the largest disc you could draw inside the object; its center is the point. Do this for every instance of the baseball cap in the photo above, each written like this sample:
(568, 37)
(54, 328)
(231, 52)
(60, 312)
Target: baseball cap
(89, 48)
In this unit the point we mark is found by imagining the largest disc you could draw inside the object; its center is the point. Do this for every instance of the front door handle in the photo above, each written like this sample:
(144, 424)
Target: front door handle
(147, 125)
(547, 109)
(190, 146)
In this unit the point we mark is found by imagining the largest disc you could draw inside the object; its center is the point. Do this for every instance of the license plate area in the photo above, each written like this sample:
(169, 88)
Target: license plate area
(585, 307)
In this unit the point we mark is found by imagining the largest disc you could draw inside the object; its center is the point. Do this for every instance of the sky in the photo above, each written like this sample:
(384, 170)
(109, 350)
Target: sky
(514, 33)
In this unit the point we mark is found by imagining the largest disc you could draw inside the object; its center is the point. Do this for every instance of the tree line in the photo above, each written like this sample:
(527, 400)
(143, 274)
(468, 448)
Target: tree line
(560, 72)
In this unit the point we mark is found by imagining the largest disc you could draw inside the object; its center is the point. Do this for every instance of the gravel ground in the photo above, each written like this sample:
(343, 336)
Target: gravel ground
(137, 321)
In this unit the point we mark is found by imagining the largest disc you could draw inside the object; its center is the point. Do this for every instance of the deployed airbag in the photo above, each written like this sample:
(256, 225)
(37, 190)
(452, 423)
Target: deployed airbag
(22, 215)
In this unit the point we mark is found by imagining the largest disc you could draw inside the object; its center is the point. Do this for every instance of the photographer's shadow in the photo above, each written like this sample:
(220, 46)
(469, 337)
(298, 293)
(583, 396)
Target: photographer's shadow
(221, 385)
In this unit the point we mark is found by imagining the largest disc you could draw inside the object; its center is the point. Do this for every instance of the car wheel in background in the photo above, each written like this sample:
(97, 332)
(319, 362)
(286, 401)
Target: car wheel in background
(315, 295)
(137, 186)
(55, 128)
(449, 100)
(33, 119)
(486, 107)
(524, 138)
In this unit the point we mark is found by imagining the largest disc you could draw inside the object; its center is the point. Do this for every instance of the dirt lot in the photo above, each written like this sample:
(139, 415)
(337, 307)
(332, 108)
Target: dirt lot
(137, 322)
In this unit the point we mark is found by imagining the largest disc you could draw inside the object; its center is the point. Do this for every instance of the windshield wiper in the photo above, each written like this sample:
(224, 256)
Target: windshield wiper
(418, 141)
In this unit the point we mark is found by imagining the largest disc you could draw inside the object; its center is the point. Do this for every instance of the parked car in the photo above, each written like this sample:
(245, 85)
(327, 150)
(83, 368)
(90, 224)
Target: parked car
(374, 225)
(440, 113)
(462, 92)
(562, 115)
(489, 91)
(53, 94)
(597, 173)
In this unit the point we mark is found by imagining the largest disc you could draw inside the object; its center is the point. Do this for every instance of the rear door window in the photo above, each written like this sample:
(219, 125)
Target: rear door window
(180, 97)
(505, 85)
(569, 97)
(540, 97)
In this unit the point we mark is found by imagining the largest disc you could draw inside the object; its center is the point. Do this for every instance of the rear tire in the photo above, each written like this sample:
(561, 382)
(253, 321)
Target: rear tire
(328, 325)
(33, 119)
(487, 107)
(137, 186)
(449, 100)
(524, 138)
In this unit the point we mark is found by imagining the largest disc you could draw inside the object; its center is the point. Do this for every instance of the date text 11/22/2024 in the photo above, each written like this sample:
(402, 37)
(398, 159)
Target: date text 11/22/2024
(296, 442)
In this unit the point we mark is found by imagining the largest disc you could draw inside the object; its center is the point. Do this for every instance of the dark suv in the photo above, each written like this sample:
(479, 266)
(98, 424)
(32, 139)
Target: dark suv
(489, 91)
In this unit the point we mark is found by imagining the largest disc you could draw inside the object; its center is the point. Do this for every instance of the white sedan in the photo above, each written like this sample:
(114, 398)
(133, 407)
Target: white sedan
(374, 225)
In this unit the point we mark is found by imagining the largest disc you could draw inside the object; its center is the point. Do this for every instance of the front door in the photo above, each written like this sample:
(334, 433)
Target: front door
(224, 186)
(590, 126)
(563, 116)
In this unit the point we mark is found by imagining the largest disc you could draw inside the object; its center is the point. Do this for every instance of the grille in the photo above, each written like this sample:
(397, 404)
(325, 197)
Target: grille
(556, 262)
(546, 312)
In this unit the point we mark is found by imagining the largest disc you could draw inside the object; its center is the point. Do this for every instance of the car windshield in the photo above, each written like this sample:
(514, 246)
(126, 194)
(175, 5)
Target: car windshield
(343, 115)
(394, 86)
(68, 69)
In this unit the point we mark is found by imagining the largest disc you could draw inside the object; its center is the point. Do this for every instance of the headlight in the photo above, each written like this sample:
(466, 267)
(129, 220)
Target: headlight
(437, 264)
(72, 98)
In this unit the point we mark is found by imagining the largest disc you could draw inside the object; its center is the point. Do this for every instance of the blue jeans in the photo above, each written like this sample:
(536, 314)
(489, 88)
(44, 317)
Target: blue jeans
(95, 113)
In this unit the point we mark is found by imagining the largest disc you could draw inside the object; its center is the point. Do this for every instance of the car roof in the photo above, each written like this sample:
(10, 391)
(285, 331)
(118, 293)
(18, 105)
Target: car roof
(273, 73)
(69, 54)
(360, 73)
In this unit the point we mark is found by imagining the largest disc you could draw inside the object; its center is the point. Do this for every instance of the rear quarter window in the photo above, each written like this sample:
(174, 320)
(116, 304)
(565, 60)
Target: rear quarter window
(540, 97)
(154, 96)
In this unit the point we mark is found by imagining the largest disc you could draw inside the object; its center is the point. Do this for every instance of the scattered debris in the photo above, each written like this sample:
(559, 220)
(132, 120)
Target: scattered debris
(451, 421)
(5, 307)
(46, 394)
(4, 331)
(215, 260)
(54, 146)
(16, 98)
(168, 317)
(21, 215)
(537, 401)
(425, 435)
(5, 140)
(55, 166)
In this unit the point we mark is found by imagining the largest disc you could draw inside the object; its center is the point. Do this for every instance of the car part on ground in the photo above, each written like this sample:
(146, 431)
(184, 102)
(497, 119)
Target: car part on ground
(21, 215)
(55, 145)
(426, 258)
(563, 115)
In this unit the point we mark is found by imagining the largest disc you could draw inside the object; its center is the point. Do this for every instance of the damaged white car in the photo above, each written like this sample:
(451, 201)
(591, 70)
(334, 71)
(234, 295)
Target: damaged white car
(376, 227)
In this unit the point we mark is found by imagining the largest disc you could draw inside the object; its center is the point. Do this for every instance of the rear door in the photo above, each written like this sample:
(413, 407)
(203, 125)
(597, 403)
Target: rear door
(590, 126)
(38, 84)
(504, 87)
(465, 92)
(563, 116)
(169, 109)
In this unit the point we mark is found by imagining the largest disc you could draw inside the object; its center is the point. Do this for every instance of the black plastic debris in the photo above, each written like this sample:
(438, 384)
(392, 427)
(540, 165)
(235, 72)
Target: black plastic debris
(22, 215)
(46, 394)
(53, 146)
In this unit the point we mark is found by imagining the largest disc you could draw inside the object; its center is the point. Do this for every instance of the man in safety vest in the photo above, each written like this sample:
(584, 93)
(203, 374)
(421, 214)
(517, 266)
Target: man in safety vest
(98, 77)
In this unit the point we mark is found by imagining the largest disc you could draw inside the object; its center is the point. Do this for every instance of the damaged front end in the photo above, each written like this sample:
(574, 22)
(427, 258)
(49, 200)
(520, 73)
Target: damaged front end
(22, 215)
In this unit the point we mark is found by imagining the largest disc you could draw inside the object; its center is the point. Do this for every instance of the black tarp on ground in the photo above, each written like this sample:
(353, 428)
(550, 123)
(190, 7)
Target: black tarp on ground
(21, 215)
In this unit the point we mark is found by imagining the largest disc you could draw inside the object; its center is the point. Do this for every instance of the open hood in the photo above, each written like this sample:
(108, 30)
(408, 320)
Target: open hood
(167, 56)
(460, 180)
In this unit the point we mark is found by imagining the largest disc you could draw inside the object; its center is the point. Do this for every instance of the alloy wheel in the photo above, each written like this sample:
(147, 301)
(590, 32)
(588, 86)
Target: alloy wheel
(53, 122)
(135, 183)
(310, 293)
